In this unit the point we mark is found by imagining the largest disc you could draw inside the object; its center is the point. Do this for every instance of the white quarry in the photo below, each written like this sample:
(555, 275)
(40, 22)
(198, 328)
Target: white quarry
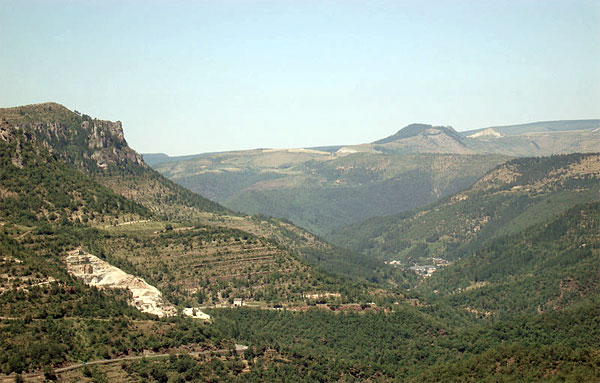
(95, 272)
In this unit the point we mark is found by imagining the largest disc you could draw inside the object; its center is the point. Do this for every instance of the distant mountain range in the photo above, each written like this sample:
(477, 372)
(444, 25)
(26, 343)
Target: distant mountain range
(507, 200)
(322, 189)
(536, 138)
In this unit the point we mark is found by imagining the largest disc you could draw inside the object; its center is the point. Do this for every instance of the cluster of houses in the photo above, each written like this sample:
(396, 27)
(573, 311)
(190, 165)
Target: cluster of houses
(423, 270)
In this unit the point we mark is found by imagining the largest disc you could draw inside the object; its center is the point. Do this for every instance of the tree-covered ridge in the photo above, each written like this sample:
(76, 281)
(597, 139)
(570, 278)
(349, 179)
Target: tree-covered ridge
(510, 198)
(522, 307)
(36, 186)
(408, 345)
(547, 267)
(82, 142)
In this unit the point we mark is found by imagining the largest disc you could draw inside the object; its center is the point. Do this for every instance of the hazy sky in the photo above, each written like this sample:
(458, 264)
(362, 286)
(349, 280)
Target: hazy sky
(200, 76)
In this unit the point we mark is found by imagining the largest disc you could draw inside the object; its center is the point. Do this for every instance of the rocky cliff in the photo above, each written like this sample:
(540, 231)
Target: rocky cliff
(90, 144)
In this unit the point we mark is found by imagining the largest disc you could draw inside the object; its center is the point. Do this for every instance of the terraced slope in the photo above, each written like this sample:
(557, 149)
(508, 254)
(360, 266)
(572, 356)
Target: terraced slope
(98, 149)
(53, 204)
(203, 265)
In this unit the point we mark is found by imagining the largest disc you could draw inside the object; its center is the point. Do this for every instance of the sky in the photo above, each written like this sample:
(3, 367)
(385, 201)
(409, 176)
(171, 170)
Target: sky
(189, 77)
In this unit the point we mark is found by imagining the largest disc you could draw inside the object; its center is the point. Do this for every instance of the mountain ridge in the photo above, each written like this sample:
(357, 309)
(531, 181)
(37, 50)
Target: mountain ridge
(509, 198)
(98, 149)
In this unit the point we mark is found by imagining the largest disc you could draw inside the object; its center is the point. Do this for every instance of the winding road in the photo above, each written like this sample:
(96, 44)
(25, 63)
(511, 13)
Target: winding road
(239, 348)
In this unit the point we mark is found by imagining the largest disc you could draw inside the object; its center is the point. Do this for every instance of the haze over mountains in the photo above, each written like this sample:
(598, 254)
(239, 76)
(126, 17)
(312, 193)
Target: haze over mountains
(326, 188)
(527, 133)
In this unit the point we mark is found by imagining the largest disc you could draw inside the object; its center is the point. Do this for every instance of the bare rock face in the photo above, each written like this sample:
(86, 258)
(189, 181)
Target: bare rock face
(106, 141)
(89, 144)
(96, 272)
(145, 297)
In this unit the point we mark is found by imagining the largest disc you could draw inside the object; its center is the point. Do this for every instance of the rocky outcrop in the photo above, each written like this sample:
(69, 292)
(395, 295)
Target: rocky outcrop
(95, 272)
(90, 144)
(107, 144)
(487, 133)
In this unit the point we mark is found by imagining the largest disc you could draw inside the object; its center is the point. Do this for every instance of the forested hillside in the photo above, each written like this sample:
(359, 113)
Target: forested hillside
(321, 191)
(517, 303)
(547, 267)
(98, 149)
(510, 198)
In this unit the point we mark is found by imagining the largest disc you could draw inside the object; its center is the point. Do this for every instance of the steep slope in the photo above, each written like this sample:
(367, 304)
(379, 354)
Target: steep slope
(58, 220)
(322, 189)
(51, 320)
(98, 149)
(43, 139)
(36, 186)
(547, 267)
(508, 199)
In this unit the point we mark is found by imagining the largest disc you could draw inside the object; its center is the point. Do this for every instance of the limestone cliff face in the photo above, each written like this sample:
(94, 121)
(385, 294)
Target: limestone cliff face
(107, 144)
(90, 144)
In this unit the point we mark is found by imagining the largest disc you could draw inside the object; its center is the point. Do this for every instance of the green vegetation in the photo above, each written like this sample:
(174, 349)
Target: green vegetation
(35, 186)
(321, 191)
(547, 267)
(407, 345)
(518, 303)
(203, 265)
(507, 200)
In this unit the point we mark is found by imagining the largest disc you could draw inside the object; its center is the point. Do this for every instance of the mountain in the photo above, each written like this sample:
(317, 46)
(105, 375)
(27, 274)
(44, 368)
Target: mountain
(545, 267)
(534, 139)
(423, 130)
(508, 199)
(109, 272)
(420, 138)
(77, 201)
(99, 150)
(322, 189)
(539, 138)
(540, 127)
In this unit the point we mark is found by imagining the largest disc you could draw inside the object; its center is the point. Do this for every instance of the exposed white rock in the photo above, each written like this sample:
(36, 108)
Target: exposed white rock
(195, 312)
(487, 133)
(346, 150)
(96, 272)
